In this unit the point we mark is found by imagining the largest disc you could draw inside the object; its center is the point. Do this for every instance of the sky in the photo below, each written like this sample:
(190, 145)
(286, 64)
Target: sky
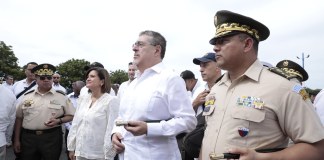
(104, 30)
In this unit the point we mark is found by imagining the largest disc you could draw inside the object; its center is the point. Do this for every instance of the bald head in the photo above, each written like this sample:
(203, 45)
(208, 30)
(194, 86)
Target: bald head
(77, 85)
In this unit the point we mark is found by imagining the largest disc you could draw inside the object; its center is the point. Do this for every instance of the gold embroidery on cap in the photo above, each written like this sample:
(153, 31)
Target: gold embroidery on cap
(229, 27)
(292, 71)
(44, 72)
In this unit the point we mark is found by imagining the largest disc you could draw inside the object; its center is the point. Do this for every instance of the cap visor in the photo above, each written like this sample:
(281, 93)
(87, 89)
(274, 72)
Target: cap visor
(197, 61)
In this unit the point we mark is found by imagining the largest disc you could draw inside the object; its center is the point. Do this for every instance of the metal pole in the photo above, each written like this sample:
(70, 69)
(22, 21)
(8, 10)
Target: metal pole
(303, 59)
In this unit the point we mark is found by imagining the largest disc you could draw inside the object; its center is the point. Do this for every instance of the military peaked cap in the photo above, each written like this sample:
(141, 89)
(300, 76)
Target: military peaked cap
(44, 70)
(293, 68)
(230, 23)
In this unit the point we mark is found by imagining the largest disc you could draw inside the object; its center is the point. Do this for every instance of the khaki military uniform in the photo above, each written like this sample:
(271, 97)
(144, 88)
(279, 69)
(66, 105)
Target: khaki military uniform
(38, 140)
(259, 110)
(35, 108)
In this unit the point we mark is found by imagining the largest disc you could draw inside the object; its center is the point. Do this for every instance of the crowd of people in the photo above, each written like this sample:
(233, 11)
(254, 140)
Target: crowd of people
(251, 111)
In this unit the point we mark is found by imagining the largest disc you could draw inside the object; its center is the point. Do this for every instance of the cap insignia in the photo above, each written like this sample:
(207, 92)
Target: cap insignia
(285, 63)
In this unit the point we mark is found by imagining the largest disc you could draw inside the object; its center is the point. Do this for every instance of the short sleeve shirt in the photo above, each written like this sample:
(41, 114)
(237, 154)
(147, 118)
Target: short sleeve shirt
(36, 108)
(259, 110)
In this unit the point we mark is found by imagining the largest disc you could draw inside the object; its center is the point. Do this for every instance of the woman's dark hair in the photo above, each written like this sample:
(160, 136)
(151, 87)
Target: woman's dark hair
(103, 75)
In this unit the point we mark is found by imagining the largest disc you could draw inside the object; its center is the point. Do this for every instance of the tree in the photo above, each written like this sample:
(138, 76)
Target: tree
(72, 70)
(118, 76)
(9, 62)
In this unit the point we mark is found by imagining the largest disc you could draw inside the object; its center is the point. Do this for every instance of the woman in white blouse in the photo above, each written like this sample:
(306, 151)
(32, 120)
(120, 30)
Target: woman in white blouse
(89, 136)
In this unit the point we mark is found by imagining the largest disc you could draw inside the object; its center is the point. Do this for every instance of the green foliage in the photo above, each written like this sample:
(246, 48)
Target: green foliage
(118, 76)
(72, 70)
(9, 62)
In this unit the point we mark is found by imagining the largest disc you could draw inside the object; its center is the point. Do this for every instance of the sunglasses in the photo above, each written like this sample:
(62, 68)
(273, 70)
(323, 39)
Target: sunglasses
(45, 77)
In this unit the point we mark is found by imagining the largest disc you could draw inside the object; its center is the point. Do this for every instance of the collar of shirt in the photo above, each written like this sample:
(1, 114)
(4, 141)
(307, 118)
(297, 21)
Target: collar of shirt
(156, 68)
(253, 72)
(52, 90)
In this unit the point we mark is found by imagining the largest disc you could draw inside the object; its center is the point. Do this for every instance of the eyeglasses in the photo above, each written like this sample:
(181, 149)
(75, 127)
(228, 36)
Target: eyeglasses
(45, 77)
(56, 77)
(141, 44)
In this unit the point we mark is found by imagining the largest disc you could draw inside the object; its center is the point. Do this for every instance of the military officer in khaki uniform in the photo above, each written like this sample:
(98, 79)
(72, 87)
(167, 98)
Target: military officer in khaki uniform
(39, 117)
(251, 109)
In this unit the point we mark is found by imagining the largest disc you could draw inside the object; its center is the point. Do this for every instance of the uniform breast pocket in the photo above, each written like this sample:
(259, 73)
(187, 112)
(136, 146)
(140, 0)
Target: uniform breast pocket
(30, 112)
(248, 114)
(244, 127)
(55, 110)
(155, 100)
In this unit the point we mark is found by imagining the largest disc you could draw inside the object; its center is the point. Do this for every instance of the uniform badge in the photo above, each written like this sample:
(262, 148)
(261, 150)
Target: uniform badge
(209, 105)
(249, 101)
(207, 109)
(28, 103)
(210, 102)
(243, 131)
(54, 102)
(301, 91)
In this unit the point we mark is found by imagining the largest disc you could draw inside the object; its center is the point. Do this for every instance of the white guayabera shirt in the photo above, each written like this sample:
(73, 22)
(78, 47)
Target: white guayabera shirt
(157, 94)
(91, 128)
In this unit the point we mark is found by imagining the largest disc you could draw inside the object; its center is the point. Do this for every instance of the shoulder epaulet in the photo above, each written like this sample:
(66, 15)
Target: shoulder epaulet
(29, 92)
(59, 91)
(282, 73)
(219, 78)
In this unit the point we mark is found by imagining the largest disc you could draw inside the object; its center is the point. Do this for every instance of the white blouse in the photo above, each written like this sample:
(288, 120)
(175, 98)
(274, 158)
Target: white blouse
(91, 128)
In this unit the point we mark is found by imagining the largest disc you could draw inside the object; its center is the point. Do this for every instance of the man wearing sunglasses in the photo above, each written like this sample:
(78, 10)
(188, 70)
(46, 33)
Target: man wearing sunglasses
(39, 116)
(56, 82)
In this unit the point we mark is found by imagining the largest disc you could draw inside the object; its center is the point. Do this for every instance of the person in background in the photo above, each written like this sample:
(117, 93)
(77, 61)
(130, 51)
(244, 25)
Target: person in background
(7, 118)
(193, 85)
(251, 109)
(131, 77)
(39, 117)
(8, 82)
(209, 73)
(74, 96)
(90, 134)
(56, 82)
(155, 106)
(115, 87)
(22, 86)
